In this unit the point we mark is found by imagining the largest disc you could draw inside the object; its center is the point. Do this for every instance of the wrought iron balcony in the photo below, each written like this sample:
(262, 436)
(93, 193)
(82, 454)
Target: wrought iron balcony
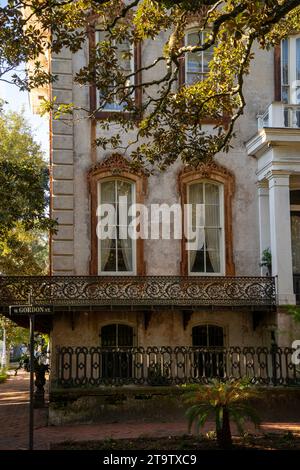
(65, 292)
(95, 366)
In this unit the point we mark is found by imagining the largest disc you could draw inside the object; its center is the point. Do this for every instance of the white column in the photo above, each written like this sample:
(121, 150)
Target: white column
(280, 230)
(264, 218)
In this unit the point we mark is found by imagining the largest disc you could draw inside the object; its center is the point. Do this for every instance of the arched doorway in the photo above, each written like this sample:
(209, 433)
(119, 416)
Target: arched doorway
(208, 341)
(116, 341)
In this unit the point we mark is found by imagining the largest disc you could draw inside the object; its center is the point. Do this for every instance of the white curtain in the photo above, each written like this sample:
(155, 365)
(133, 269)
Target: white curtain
(106, 247)
(196, 224)
(206, 223)
(107, 196)
(127, 253)
(124, 189)
(212, 224)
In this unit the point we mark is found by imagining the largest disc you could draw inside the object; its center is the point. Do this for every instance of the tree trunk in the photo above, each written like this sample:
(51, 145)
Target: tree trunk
(224, 434)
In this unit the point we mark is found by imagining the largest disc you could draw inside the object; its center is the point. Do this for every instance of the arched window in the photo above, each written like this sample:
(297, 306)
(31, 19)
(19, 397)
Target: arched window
(196, 63)
(117, 251)
(109, 180)
(207, 221)
(208, 336)
(206, 225)
(209, 360)
(116, 336)
(116, 364)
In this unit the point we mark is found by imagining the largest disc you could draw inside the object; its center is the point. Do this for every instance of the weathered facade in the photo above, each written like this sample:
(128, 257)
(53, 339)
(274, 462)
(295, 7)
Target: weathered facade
(161, 300)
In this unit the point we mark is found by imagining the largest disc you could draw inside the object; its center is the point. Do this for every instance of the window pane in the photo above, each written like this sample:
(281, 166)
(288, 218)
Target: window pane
(199, 334)
(284, 62)
(212, 239)
(213, 262)
(196, 193)
(125, 336)
(109, 336)
(207, 57)
(194, 62)
(212, 212)
(285, 94)
(295, 197)
(198, 216)
(108, 255)
(124, 189)
(215, 336)
(297, 96)
(208, 335)
(107, 192)
(212, 236)
(196, 200)
(125, 255)
(197, 261)
(212, 215)
(298, 59)
(124, 56)
(206, 258)
(211, 193)
(197, 62)
(193, 39)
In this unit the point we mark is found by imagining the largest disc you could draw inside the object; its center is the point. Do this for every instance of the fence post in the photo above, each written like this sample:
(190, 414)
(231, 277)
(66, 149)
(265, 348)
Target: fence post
(274, 350)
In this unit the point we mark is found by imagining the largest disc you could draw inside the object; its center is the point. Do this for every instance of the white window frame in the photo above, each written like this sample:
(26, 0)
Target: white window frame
(116, 273)
(109, 106)
(187, 33)
(222, 229)
(293, 84)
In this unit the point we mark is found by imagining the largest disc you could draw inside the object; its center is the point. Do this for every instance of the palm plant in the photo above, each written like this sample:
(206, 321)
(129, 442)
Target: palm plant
(225, 401)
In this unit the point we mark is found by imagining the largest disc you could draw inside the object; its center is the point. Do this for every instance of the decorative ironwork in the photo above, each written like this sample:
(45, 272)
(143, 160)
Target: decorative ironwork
(138, 290)
(95, 366)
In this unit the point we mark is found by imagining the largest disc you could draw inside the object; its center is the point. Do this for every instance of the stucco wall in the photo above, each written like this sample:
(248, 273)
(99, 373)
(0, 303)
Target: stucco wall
(165, 328)
(74, 155)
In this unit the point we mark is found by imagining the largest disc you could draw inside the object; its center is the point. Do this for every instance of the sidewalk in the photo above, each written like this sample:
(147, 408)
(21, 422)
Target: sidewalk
(14, 404)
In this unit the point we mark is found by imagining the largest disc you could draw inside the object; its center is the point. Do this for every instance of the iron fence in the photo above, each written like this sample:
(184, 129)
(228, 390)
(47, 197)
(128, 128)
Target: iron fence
(95, 366)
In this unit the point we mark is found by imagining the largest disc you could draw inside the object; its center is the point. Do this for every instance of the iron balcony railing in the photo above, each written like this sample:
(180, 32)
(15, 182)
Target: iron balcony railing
(88, 291)
(96, 366)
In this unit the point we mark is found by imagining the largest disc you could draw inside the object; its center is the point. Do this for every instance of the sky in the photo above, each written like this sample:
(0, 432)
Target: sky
(17, 101)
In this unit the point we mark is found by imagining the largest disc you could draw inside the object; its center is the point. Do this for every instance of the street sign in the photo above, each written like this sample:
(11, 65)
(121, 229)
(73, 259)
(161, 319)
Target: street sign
(30, 309)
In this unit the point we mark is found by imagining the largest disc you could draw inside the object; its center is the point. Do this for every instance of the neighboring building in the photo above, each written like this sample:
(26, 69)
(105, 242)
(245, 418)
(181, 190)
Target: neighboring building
(154, 293)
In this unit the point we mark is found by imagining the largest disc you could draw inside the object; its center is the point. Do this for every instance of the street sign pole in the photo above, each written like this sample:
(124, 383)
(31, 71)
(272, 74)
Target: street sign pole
(31, 386)
(31, 408)
(31, 310)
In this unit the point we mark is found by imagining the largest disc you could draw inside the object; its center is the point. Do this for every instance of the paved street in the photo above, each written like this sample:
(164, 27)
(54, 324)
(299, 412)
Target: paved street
(14, 423)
